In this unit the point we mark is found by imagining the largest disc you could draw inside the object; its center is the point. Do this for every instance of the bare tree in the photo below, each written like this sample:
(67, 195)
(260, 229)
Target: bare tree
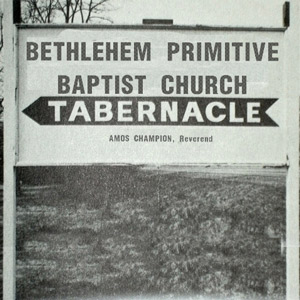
(69, 9)
(38, 11)
(90, 10)
(64, 11)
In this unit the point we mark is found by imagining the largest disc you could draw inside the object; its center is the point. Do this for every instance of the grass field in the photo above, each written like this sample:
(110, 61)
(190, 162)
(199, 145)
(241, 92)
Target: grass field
(175, 233)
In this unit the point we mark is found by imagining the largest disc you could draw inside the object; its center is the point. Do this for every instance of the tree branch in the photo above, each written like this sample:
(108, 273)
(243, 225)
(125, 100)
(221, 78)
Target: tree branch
(38, 11)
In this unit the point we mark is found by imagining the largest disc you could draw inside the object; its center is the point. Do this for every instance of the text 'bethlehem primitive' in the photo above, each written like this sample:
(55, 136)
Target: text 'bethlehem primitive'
(142, 51)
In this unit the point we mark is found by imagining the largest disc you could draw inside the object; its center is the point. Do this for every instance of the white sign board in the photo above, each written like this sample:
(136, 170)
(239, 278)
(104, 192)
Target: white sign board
(150, 96)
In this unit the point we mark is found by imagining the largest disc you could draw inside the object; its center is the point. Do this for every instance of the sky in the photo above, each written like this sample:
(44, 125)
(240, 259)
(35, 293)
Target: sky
(204, 12)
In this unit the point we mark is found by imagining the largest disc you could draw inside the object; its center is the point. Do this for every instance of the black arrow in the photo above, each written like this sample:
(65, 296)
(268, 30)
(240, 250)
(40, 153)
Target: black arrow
(41, 112)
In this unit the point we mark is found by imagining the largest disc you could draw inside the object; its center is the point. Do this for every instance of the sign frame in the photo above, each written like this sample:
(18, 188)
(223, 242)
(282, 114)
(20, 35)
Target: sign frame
(29, 153)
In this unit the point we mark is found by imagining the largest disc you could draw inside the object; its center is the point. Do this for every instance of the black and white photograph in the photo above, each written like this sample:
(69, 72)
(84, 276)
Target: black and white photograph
(149, 150)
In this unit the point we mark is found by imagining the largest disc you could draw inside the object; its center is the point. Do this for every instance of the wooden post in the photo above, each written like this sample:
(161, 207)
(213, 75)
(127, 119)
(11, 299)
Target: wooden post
(291, 86)
(286, 14)
(17, 11)
(10, 113)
